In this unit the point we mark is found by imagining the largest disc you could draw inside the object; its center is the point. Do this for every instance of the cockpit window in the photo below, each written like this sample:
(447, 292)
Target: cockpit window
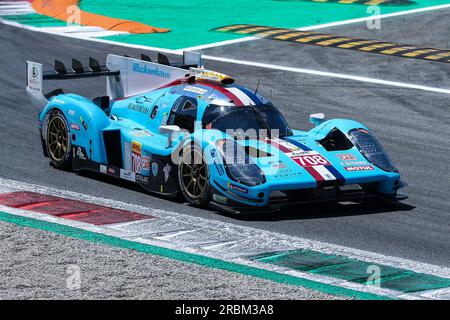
(154, 112)
(184, 113)
(258, 117)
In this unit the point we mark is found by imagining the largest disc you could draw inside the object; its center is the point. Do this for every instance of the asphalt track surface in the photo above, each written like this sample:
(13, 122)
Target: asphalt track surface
(413, 125)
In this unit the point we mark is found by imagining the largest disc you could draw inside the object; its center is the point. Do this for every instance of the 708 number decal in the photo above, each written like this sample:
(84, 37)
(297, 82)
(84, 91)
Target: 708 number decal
(311, 160)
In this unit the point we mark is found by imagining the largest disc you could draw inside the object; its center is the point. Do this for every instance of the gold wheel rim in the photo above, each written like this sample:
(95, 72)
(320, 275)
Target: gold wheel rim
(193, 174)
(57, 138)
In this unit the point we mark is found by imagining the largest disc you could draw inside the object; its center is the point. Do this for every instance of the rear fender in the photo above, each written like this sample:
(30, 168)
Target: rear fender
(86, 122)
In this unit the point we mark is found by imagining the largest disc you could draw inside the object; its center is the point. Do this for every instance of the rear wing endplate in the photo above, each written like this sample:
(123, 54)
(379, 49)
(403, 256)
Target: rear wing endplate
(126, 76)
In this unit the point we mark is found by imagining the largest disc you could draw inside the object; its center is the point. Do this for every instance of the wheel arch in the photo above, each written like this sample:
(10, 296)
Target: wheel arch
(85, 119)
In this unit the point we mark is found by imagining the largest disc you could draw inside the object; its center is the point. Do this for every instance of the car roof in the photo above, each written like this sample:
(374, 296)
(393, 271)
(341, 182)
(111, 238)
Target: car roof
(214, 93)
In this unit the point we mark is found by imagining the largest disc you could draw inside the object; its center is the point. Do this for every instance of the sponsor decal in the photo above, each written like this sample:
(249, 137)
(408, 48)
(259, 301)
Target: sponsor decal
(151, 71)
(359, 168)
(71, 112)
(346, 157)
(142, 179)
(127, 175)
(143, 99)
(34, 82)
(286, 173)
(283, 145)
(237, 188)
(127, 151)
(217, 163)
(164, 120)
(202, 74)
(83, 123)
(34, 72)
(195, 90)
(138, 108)
(167, 168)
(145, 162)
(81, 154)
(136, 154)
(155, 169)
(103, 169)
(219, 167)
(220, 199)
(353, 163)
(112, 171)
(75, 126)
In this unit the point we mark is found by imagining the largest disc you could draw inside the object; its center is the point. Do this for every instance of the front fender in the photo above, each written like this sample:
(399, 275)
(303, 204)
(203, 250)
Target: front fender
(345, 125)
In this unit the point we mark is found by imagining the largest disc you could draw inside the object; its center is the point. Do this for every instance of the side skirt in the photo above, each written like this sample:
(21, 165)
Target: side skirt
(160, 183)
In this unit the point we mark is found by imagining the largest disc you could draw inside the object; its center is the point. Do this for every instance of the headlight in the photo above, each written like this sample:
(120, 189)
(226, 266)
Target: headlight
(372, 150)
(238, 165)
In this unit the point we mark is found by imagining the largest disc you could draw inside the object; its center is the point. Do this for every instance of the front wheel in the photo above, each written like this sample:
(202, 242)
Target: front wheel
(58, 141)
(193, 176)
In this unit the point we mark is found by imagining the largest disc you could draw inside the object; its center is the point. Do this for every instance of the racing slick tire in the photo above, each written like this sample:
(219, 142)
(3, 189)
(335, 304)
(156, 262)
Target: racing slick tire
(57, 141)
(193, 176)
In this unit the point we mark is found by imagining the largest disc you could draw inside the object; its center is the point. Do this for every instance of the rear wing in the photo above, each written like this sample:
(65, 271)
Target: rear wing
(143, 75)
(125, 76)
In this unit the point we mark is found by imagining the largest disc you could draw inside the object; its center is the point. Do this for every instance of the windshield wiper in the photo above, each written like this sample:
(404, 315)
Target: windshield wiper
(262, 120)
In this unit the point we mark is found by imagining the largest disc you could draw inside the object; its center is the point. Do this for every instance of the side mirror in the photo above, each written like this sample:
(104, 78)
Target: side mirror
(316, 118)
(170, 130)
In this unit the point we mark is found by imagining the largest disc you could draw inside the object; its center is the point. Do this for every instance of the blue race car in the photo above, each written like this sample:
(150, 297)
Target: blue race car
(179, 128)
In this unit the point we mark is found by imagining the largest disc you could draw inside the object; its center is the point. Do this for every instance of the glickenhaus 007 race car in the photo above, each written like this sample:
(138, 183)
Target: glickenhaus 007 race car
(175, 128)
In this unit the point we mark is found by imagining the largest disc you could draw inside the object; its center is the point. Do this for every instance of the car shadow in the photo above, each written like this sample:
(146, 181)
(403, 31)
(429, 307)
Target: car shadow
(322, 211)
(305, 212)
(126, 185)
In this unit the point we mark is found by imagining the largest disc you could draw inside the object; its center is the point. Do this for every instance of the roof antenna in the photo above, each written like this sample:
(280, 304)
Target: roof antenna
(257, 87)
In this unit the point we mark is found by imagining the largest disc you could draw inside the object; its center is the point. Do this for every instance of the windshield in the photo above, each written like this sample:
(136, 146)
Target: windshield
(244, 118)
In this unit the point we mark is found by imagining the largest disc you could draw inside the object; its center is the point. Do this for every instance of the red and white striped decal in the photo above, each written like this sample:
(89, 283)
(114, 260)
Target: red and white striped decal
(68, 208)
(312, 161)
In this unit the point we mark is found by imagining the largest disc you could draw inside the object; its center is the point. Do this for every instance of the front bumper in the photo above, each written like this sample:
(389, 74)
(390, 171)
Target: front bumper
(281, 199)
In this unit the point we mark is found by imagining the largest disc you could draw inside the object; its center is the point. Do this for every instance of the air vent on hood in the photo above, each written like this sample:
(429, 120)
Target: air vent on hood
(336, 140)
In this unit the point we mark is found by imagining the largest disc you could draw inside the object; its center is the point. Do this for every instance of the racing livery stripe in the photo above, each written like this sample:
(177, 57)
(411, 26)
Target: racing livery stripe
(339, 177)
(230, 95)
(245, 99)
(298, 144)
(323, 171)
(278, 146)
(251, 95)
(315, 174)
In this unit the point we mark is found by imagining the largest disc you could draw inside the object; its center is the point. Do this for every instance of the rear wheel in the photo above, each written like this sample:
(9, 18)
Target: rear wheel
(57, 141)
(193, 176)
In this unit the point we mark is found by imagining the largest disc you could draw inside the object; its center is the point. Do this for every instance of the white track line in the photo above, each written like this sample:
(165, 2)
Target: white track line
(9, 185)
(321, 26)
(15, 8)
(82, 31)
(270, 239)
(328, 74)
(244, 62)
